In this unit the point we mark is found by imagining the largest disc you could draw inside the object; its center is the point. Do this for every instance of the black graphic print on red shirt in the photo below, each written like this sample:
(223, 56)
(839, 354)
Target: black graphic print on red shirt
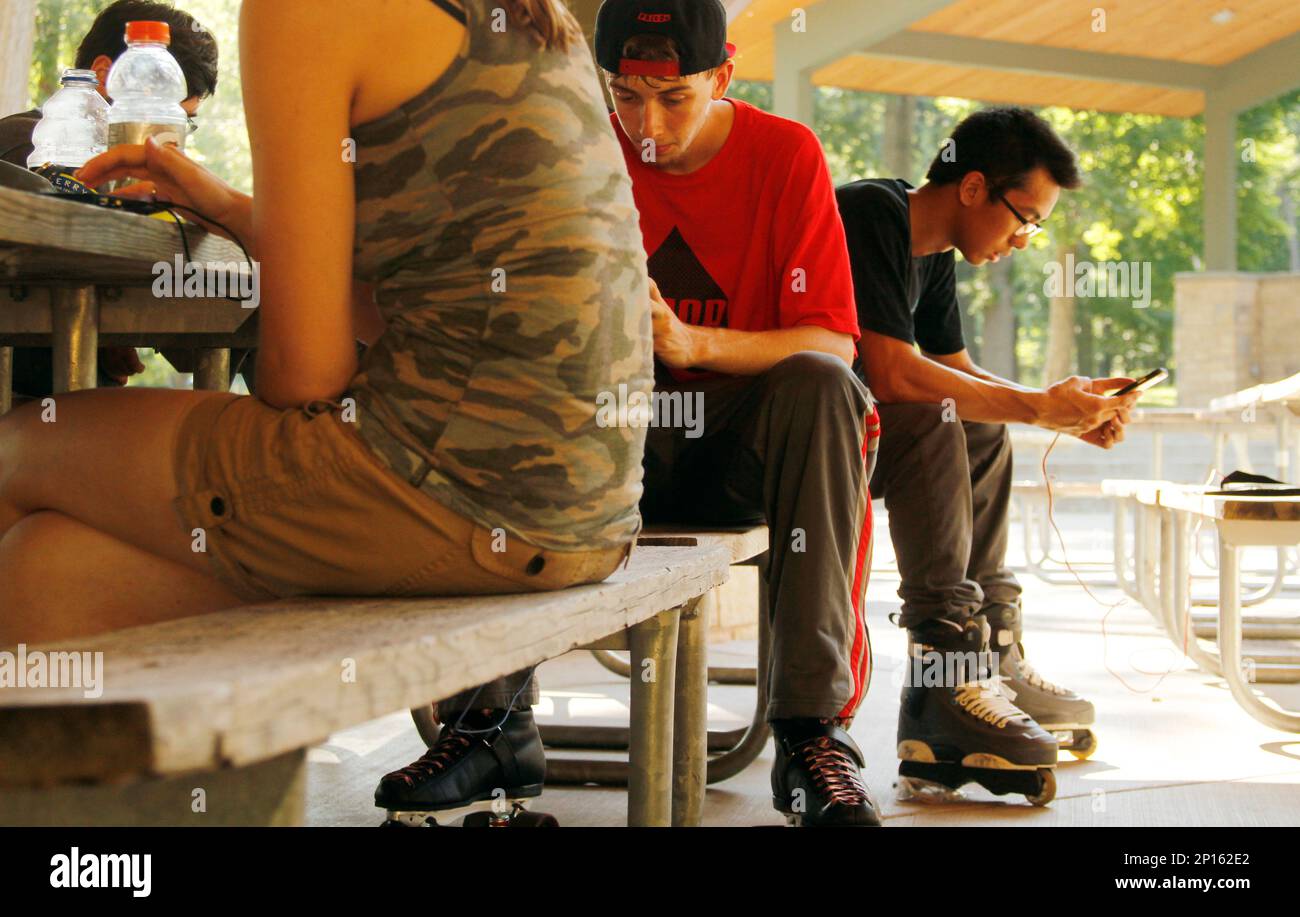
(686, 285)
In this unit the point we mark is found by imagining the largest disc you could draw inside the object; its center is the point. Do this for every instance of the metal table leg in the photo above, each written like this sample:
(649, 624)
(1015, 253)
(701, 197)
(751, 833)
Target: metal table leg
(1182, 551)
(1124, 576)
(653, 645)
(752, 741)
(691, 712)
(1261, 708)
(1167, 578)
(1145, 557)
(212, 369)
(74, 321)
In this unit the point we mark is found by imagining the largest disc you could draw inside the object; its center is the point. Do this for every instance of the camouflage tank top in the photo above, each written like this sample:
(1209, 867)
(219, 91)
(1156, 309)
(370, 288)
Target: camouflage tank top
(495, 219)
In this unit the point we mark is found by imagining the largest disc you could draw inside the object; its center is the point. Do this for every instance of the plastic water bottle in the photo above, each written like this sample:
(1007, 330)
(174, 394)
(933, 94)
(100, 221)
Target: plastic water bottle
(147, 87)
(72, 131)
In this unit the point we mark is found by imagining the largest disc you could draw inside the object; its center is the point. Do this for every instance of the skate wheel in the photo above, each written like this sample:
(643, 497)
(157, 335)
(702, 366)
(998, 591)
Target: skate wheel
(478, 820)
(429, 822)
(534, 820)
(1047, 789)
(1084, 747)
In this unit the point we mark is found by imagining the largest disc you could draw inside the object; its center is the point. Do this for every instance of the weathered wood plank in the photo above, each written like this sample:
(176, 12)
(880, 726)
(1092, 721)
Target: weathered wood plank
(744, 543)
(45, 238)
(132, 311)
(241, 686)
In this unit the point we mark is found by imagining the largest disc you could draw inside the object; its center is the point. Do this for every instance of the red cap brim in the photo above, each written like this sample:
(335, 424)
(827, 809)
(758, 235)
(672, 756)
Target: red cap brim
(655, 68)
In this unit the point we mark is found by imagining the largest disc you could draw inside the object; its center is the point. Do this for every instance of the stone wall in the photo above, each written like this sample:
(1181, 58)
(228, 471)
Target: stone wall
(1233, 330)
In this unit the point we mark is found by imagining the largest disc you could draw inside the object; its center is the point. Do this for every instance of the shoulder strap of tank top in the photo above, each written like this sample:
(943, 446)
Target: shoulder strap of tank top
(453, 11)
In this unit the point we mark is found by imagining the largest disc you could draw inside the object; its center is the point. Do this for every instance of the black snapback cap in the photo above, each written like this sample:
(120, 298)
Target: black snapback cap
(699, 28)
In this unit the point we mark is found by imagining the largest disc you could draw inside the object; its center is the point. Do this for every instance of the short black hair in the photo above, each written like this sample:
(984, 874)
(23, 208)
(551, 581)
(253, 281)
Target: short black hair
(1005, 145)
(194, 47)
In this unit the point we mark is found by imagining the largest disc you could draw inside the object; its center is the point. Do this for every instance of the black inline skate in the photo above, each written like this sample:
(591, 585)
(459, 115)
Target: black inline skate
(490, 757)
(1058, 710)
(956, 727)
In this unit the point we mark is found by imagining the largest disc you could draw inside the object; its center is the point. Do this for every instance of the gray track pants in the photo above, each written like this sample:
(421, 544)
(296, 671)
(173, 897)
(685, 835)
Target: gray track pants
(947, 486)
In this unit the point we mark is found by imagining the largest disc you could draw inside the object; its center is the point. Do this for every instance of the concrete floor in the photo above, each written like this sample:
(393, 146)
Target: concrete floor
(1175, 749)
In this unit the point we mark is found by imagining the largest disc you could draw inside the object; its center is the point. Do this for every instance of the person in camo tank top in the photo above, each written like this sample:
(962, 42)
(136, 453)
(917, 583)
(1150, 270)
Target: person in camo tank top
(462, 196)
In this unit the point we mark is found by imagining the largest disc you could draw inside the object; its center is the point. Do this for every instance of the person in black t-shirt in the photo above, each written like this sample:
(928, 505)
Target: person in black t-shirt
(944, 465)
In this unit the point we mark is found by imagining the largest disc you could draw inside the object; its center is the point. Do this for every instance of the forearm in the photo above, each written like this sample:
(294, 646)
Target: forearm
(980, 373)
(924, 381)
(748, 353)
(239, 220)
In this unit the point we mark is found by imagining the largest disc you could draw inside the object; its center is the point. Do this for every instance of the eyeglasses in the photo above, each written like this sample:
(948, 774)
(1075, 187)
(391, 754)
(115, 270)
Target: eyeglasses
(1027, 228)
(191, 125)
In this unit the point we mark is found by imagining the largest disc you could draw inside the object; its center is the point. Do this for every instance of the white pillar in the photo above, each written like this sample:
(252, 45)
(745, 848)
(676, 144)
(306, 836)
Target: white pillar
(792, 86)
(1219, 189)
(17, 32)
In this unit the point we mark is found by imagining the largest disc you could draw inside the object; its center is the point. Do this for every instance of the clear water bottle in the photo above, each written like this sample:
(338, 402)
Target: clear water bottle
(147, 87)
(72, 131)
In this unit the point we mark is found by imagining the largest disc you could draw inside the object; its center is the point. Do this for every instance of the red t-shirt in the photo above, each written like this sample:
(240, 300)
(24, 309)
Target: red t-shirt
(753, 239)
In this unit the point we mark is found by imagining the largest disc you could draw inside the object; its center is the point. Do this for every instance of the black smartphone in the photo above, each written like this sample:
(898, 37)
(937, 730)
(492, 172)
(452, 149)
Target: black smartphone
(1153, 378)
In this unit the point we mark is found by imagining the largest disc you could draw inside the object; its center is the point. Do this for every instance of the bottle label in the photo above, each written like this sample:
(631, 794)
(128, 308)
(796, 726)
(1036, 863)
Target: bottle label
(134, 132)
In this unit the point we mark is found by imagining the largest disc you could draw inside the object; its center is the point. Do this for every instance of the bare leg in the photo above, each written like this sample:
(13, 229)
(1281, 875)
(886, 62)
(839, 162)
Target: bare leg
(64, 579)
(105, 462)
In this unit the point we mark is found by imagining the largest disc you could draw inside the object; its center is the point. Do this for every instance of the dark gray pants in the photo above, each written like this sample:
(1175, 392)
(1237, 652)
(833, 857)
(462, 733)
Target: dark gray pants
(947, 486)
(792, 447)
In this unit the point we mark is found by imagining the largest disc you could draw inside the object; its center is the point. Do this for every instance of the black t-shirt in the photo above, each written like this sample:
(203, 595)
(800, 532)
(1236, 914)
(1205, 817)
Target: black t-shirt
(16, 137)
(912, 299)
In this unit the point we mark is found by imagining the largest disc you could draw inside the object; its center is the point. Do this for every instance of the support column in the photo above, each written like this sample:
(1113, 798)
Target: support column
(1220, 185)
(792, 86)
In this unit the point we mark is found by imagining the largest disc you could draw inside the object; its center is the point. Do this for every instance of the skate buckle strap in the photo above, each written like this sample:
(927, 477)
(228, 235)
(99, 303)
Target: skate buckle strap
(504, 752)
(987, 703)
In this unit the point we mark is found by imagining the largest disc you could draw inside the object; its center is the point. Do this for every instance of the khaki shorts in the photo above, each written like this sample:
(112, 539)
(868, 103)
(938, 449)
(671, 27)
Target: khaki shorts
(293, 502)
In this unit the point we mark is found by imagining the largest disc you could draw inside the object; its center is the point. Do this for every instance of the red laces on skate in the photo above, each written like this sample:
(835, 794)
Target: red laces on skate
(988, 703)
(451, 747)
(835, 772)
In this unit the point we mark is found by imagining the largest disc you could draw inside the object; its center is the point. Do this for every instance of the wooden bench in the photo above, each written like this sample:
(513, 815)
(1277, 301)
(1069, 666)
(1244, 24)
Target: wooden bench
(1160, 580)
(207, 720)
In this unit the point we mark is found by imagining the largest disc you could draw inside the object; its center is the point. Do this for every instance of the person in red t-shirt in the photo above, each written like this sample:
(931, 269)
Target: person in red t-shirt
(758, 416)
(754, 318)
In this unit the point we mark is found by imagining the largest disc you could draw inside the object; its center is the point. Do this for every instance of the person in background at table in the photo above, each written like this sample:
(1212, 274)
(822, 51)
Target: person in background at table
(462, 455)
(195, 49)
(753, 321)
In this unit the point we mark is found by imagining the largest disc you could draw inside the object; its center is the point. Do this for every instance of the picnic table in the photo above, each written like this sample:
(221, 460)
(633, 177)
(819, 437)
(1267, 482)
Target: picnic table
(76, 277)
(1279, 401)
(1160, 580)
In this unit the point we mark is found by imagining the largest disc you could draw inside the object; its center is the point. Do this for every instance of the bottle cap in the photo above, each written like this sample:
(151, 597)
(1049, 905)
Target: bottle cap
(73, 75)
(159, 32)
